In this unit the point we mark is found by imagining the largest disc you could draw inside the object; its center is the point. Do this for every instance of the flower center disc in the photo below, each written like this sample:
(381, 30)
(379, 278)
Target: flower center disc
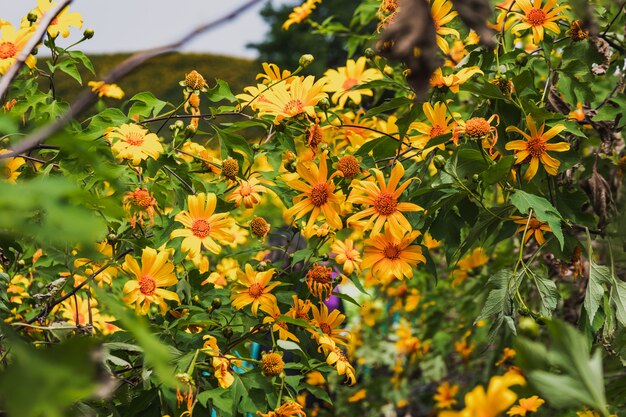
(392, 252)
(477, 127)
(326, 329)
(246, 190)
(385, 204)
(349, 83)
(536, 17)
(7, 50)
(536, 147)
(534, 224)
(147, 285)
(134, 139)
(293, 107)
(142, 199)
(319, 194)
(201, 228)
(436, 130)
(255, 290)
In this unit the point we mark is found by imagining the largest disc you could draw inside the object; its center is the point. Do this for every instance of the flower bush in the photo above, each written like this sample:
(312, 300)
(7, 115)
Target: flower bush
(434, 228)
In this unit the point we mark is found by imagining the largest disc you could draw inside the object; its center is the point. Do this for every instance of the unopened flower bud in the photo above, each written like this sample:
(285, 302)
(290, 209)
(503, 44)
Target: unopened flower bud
(370, 53)
(306, 60)
(439, 161)
(216, 303)
(521, 59)
(32, 17)
(111, 238)
(227, 332)
(179, 125)
(88, 33)
(190, 131)
(324, 103)
(261, 266)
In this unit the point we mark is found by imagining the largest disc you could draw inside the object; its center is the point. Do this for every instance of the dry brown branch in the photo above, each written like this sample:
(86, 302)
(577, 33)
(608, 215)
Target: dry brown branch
(87, 97)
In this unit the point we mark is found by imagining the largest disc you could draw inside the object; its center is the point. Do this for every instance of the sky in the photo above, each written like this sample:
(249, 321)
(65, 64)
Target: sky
(131, 25)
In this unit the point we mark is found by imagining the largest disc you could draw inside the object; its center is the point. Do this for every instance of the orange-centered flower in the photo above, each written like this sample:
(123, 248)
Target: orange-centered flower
(328, 323)
(343, 78)
(536, 148)
(60, 24)
(318, 194)
(203, 228)
(287, 100)
(252, 288)
(155, 272)
(130, 141)
(445, 395)
(249, 192)
(392, 257)
(346, 255)
(526, 405)
(439, 123)
(382, 203)
(11, 43)
(535, 227)
(320, 281)
(532, 15)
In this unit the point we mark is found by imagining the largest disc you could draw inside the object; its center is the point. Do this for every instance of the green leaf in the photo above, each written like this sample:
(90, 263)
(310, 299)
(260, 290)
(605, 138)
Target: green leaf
(618, 298)
(220, 398)
(145, 104)
(79, 56)
(468, 162)
(156, 354)
(598, 275)
(220, 92)
(548, 292)
(566, 375)
(498, 171)
(499, 304)
(544, 211)
(387, 105)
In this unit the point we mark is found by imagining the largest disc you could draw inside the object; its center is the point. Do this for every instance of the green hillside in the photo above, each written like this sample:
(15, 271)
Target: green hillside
(161, 75)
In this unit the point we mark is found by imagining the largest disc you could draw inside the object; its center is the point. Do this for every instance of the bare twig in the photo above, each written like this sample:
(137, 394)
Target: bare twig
(34, 40)
(87, 97)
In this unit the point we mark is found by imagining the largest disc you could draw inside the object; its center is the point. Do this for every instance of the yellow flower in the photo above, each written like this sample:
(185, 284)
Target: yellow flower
(336, 357)
(11, 43)
(441, 11)
(252, 288)
(140, 204)
(346, 255)
(491, 403)
(535, 227)
(479, 128)
(328, 324)
(106, 90)
(536, 148)
(300, 13)
(453, 81)
(526, 405)
(277, 326)
(272, 74)
(318, 194)
(438, 124)
(315, 378)
(156, 272)
(78, 311)
(370, 312)
(104, 277)
(130, 141)
(300, 309)
(287, 100)
(507, 353)
(474, 260)
(248, 192)
(221, 364)
(17, 289)
(534, 16)
(392, 257)
(342, 79)
(203, 228)
(358, 396)
(9, 167)
(445, 395)
(61, 24)
(463, 348)
(288, 409)
(381, 202)
(226, 270)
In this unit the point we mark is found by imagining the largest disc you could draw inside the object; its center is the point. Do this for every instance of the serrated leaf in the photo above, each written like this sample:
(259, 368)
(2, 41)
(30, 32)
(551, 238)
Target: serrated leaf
(598, 275)
(547, 292)
(618, 298)
(544, 211)
(498, 171)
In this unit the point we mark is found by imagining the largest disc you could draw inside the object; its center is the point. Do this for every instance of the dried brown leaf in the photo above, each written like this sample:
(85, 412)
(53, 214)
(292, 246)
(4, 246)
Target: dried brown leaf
(603, 49)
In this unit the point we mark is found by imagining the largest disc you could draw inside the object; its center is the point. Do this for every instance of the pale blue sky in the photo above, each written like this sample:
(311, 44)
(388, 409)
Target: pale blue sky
(130, 25)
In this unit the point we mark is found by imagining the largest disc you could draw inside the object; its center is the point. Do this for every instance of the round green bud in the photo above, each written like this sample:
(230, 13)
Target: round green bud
(439, 161)
(306, 60)
(370, 53)
(216, 303)
(227, 332)
(324, 104)
(179, 125)
(88, 33)
(521, 59)
(32, 17)
(190, 131)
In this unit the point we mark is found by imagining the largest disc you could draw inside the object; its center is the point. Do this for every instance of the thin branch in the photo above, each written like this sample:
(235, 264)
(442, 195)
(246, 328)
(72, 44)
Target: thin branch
(34, 40)
(49, 306)
(87, 97)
